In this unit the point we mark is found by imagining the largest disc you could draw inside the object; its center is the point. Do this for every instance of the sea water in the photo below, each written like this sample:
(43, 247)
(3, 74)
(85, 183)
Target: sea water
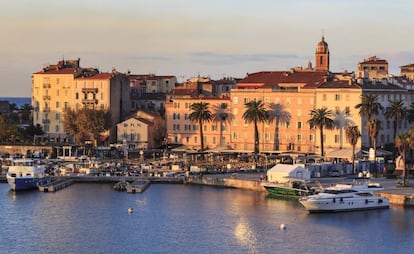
(94, 218)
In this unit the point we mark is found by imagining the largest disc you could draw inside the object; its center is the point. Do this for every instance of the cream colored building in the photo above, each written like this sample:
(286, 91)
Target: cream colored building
(144, 130)
(373, 68)
(67, 85)
(407, 71)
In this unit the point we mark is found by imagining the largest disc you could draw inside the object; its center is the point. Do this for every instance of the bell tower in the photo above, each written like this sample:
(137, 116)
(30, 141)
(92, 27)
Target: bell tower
(322, 56)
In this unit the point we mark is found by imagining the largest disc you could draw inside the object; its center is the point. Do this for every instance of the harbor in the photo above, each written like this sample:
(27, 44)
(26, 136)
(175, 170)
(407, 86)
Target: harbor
(403, 196)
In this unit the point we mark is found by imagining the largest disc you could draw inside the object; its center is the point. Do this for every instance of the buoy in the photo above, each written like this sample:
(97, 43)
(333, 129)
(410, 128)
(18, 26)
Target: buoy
(282, 226)
(130, 210)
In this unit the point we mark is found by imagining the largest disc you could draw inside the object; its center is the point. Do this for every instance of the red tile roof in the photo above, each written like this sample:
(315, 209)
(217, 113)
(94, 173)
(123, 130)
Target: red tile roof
(269, 79)
(374, 60)
(57, 71)
(105, 75)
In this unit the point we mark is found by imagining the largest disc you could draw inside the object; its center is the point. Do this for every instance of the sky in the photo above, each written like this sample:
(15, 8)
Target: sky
(188, 38)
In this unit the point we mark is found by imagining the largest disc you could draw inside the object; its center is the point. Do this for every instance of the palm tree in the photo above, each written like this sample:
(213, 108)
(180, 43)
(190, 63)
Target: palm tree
(255, 112)
(402, 142)
(396, 111)
(369, 107)
(353, 134)
(342, 121)
(200, 113)
(321, 118)
(373, 127)
(410, 113)
(223, 116)
(278, 114)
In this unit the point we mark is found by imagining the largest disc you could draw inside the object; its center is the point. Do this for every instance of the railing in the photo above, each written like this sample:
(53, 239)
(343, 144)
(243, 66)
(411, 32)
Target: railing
(46, 98)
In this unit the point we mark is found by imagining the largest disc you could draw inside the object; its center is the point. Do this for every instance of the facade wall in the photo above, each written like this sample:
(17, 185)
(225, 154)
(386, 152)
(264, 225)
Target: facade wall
(341, 101)
(294, 135)
(181, 130)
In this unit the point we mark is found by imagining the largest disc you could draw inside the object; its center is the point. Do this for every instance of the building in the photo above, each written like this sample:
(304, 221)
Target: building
(373, 68)
(67, 85)
(407, 71)
(143, 130)
(322, 56)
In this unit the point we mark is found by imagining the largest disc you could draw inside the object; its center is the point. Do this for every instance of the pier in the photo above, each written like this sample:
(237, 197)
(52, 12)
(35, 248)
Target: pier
(56, 185)
(138, 186)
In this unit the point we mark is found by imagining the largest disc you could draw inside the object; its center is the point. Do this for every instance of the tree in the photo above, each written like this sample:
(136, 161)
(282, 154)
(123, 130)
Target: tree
(396, 111)
(319, 119)
(353, 134)
(278, 114)
(410, 113)
(369, 107)
(223, 116)
(403, 142)
(200, 113)
(342, 121)
(86, 123)
(26, 111)
(373, 127)
(255, 113)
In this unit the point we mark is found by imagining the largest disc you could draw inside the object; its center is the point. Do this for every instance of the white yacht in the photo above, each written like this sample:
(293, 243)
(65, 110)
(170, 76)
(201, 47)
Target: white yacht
(345, 197)
(25, 174)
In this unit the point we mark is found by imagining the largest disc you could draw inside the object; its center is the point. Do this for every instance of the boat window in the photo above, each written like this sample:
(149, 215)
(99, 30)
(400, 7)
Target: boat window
(365, 194)
(28, 174)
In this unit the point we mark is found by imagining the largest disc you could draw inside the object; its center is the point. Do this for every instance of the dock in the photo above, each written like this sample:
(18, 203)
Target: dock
(56, 185)
(138, 186)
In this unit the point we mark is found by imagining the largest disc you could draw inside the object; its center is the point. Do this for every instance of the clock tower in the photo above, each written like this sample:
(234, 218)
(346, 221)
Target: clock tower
(322, 56)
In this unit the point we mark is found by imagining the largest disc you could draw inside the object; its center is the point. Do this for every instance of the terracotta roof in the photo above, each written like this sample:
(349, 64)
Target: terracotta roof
(146, 121)
(340, 84)
(269, 79)
(374, 60)
(408, 65)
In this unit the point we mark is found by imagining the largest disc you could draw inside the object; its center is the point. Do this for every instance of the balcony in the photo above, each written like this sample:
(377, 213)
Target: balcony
(46, 85)
(90, 101)
(46, 98)
(89, 90)
(46, 110)
(46, 121)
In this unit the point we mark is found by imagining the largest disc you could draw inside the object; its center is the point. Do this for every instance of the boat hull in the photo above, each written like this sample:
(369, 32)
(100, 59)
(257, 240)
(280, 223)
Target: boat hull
(280, 191)
(343, 204)
(26, 183)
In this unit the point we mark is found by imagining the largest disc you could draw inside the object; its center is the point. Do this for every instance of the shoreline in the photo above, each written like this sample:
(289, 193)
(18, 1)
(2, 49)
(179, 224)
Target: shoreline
(251, 181)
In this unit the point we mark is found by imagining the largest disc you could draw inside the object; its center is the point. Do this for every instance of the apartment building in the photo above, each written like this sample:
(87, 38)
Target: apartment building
(373, 68)
(407, 71)
(67, 85)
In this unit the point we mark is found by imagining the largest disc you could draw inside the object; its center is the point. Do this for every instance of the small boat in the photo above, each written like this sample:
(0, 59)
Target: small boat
(345, 197)
(25, 174)
(293, 188)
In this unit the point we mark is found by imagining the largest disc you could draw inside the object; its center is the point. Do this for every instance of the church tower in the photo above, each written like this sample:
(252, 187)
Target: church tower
(322, 56)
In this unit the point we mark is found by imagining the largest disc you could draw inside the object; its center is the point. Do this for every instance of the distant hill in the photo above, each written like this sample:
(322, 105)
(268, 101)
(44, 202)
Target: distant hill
(20, 101)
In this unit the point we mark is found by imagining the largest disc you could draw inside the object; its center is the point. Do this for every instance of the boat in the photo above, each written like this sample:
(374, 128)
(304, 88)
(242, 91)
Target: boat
(26, 174)
(284, 180)
(293, 188)
(345, 197)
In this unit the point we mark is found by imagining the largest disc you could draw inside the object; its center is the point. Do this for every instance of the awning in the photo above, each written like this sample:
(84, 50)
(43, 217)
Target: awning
(340, 153)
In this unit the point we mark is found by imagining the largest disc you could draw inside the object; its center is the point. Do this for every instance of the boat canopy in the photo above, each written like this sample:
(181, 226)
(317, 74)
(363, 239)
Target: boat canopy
(282, 173)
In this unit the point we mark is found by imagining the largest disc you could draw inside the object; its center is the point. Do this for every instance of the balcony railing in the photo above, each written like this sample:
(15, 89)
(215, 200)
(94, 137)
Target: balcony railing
(46, 121)
(46, 98)
(89, 90)
(90, 101)
(46, 110)
(46, 85)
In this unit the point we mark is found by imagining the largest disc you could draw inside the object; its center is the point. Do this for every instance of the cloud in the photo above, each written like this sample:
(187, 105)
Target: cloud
(203, 57)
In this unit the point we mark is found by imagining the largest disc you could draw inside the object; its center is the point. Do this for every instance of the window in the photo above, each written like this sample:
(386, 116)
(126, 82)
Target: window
(324, 97)
(337, 97)
(299, 137)
(267, 136)
(336, 138)
(299, 125)
(57, 116)
(213, 127)
(214, 140)
(235, 100)
(245, 100)
(57, 128)
(321, 60)
(347, 111)
(311, 137)
(299, 112)
(57, 104)
(223, 105)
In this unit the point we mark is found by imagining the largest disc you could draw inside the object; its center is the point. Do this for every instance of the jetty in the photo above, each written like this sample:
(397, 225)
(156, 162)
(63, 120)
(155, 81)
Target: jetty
(138, 186)
(56, 185)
